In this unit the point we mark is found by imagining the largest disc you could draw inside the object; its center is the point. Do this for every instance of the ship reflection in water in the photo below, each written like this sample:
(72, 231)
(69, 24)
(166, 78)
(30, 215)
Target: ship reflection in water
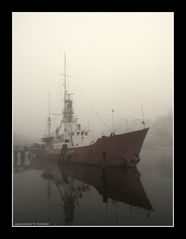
(112, 183)
(72, 184)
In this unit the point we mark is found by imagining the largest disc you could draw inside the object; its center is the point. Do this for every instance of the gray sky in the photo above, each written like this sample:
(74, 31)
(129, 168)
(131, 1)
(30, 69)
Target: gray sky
(116, 61)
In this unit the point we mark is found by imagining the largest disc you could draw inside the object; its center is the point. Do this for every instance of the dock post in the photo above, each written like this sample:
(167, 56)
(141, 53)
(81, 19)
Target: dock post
(22, 158)
(15, 159)
(104, 184)
(103, 161)
(63, 154)
(29, 157)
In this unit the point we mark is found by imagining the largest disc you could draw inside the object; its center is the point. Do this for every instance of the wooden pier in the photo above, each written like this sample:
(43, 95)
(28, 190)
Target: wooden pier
(22, 153)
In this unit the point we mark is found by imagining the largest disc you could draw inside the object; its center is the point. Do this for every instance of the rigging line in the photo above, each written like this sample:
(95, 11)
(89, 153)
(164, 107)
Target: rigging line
(98, 115)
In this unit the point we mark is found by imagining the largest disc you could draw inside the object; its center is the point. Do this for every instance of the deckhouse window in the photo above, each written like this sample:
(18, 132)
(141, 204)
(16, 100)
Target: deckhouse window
(82, 132)
(86, 133)
(78, 133)
(66, 140)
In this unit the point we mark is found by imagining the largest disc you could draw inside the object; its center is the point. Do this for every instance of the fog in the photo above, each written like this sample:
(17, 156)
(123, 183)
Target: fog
(115, 61)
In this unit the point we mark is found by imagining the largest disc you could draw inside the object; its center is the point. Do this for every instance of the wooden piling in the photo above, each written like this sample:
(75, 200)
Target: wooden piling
(64, 151)
(15, 159)
(103, 175)
(22, 157)
(103, 161)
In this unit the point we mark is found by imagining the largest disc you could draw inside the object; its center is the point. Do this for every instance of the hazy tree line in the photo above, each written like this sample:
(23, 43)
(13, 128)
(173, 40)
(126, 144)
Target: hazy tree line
(160, 133)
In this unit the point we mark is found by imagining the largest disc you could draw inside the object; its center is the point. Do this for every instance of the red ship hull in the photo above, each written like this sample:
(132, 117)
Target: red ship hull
(123, 149)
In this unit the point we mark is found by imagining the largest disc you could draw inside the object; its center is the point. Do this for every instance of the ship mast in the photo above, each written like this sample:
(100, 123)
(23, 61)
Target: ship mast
(65, 94)
(143, 121)
(49, 118)
(65, 91)
(68, 109)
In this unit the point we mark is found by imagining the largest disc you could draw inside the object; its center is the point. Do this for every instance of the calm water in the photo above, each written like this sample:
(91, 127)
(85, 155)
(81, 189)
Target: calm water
(46, 193)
